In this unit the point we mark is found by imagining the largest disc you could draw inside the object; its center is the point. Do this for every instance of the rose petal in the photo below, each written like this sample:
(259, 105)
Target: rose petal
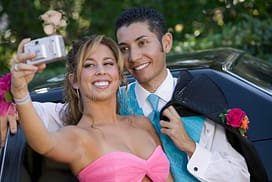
(235, 117)
(44, 17)
(55, 17)
(49, 29)
(4, 107)
(63, 23)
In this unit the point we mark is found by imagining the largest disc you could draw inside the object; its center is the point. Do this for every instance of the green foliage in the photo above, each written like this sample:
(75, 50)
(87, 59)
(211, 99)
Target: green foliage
(5, 56)
(195, 24)
(250, 34)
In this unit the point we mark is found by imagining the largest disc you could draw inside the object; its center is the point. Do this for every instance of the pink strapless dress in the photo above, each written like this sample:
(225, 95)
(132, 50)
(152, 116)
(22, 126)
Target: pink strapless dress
(126, 167)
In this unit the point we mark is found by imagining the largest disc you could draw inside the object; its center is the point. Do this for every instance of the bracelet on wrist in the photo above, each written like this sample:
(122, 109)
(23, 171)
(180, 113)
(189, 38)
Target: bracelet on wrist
(22, 101)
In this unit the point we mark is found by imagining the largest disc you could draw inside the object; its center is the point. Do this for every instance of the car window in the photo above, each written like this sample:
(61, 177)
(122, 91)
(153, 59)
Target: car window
(254, 70)
(52, 76)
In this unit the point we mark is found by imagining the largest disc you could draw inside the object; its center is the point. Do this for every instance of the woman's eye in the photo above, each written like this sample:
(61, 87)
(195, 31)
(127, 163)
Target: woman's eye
(88, 65)
(109, 63)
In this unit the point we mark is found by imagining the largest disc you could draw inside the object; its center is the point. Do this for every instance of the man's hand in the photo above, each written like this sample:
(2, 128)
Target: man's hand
(9, 120)
(176, 131)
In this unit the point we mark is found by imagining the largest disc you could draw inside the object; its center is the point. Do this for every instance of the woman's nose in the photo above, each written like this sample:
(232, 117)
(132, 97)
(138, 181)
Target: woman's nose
(100, 70)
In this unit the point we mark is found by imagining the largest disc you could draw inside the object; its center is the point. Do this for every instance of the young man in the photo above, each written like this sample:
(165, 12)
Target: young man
(144, 41)
(197, 150)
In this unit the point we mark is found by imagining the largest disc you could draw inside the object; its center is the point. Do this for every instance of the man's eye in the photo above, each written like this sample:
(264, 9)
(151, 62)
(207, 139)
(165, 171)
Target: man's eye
(142, 42)
(123, 49)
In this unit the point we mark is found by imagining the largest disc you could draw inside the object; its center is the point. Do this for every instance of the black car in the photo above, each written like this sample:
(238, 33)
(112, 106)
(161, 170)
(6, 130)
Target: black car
(245, 80)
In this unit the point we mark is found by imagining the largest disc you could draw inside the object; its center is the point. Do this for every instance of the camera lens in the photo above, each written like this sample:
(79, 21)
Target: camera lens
(36, 42)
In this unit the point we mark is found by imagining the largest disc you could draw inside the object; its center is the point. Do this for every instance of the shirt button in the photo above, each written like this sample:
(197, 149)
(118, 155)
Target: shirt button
(195, 169)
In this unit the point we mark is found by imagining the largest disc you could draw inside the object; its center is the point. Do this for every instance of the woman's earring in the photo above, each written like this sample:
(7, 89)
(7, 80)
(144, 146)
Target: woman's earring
(79, 101)
(77, 94)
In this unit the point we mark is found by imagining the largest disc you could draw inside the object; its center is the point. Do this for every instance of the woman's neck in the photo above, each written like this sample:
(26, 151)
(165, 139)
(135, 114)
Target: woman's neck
(100, 112)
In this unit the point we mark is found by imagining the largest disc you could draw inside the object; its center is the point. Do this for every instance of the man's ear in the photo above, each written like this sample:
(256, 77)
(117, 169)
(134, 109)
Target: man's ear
(73, 81)
(167, 41)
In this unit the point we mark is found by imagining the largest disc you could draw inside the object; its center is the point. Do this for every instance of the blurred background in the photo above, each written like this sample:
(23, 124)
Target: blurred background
(195, 24)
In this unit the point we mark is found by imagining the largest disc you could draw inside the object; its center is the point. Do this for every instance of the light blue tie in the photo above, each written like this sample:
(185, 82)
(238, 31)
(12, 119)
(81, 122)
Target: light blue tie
(178, 158)
(153, 99)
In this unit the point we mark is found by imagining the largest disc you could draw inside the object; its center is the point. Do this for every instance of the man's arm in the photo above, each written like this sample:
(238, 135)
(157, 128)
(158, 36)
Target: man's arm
(50, 114)
(215, 159)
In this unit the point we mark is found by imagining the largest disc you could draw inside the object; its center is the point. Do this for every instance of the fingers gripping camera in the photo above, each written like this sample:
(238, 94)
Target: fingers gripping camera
(47, 49)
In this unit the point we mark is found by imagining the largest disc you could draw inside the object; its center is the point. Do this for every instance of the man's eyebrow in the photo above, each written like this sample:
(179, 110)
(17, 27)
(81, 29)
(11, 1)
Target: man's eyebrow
(143, 36)
(138, 38)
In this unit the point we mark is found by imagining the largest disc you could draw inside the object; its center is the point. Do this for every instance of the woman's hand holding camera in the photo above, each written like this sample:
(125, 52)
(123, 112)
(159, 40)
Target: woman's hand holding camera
(22, 73)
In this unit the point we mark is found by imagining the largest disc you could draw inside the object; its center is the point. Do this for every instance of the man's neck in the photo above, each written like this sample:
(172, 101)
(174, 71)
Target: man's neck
(154, 84)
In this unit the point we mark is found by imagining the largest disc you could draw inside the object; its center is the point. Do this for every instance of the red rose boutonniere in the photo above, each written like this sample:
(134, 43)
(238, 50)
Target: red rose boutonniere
(6, 103)
(236, 118)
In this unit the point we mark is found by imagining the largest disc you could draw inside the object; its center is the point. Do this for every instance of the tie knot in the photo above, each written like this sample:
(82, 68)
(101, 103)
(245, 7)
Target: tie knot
(153, 100)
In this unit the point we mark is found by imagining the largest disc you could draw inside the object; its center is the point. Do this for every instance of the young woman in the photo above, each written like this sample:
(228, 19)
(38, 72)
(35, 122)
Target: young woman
(97, 143)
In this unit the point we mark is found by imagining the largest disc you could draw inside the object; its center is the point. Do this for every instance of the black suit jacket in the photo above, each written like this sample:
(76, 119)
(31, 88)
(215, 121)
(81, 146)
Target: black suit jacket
(201, 96)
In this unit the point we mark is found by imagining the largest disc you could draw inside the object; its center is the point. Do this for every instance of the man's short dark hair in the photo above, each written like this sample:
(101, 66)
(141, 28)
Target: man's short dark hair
(154, 19)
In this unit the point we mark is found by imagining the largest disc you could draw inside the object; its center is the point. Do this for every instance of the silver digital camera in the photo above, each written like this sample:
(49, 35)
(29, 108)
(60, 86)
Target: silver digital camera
(47, 49)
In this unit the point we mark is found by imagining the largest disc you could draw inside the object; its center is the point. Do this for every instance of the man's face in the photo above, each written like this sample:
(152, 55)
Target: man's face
(143, 53)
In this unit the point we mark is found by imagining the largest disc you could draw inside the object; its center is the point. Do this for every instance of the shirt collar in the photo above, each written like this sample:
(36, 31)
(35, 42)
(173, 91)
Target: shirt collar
(164, 91)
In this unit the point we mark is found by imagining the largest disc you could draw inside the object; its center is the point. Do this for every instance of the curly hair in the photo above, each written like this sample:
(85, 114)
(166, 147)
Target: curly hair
(73, 108)
(154, 19)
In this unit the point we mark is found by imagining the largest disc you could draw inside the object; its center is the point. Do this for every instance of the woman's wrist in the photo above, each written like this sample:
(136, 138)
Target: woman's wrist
(20, 96)
(19, 93)
(21, 100)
